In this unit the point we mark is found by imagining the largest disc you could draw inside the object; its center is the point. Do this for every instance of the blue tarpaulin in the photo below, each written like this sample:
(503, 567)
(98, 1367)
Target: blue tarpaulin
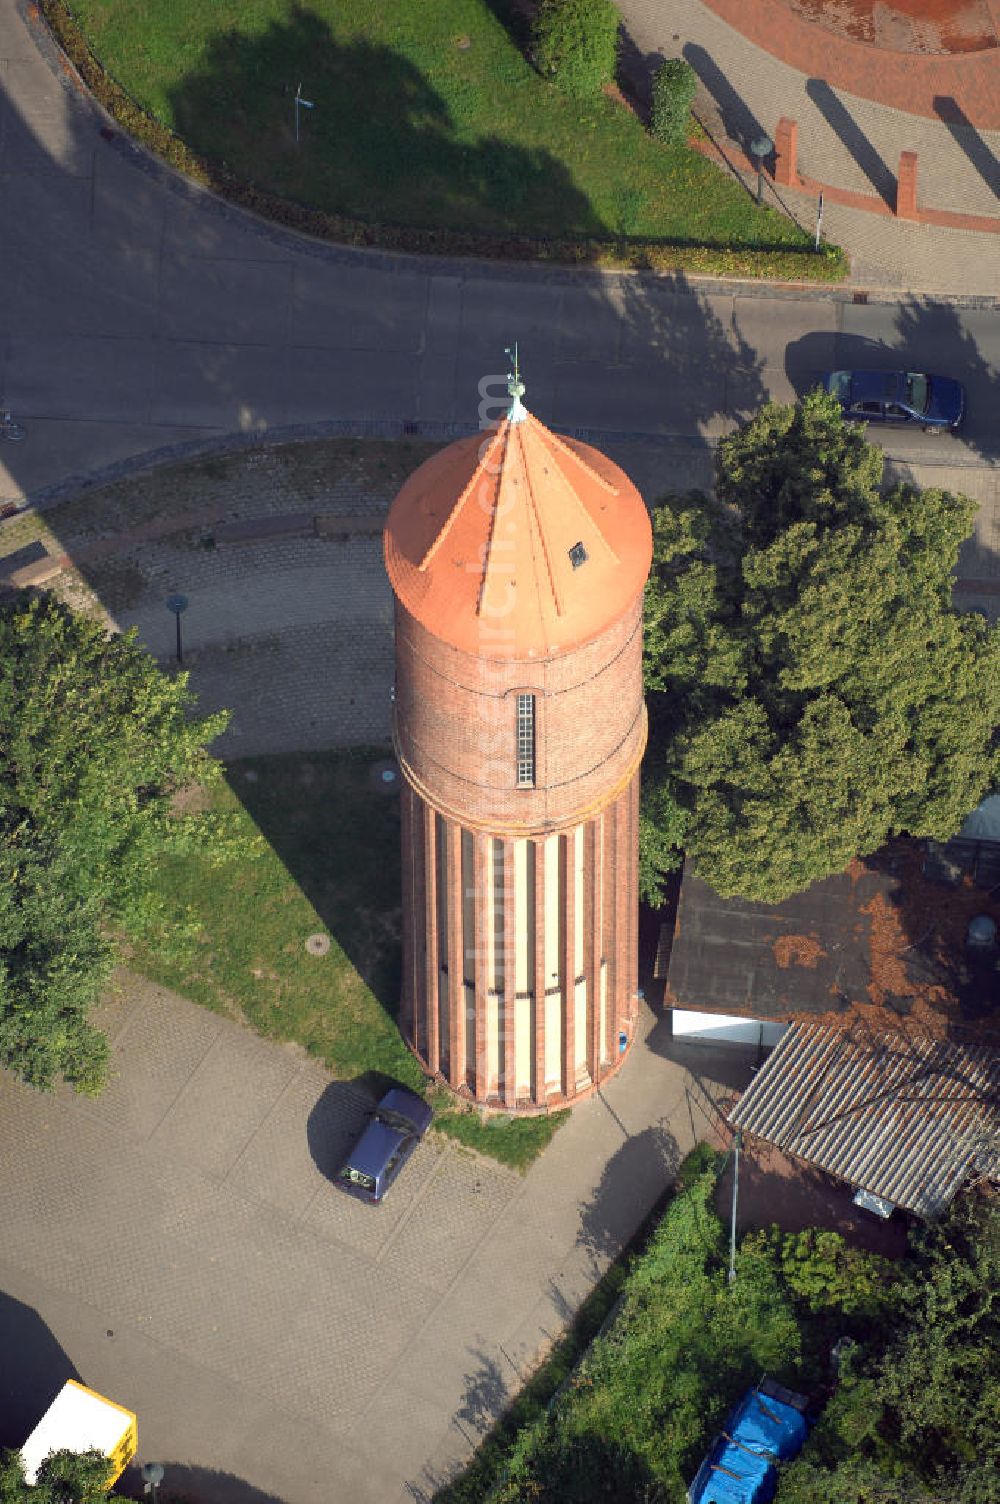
(739, 1467)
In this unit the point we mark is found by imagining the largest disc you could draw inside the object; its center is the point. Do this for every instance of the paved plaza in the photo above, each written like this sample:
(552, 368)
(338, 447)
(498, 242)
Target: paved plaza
(178, 1245)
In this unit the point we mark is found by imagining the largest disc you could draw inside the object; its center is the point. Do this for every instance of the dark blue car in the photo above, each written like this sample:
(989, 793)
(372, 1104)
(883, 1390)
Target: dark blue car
(394, 1130)
(898, 397)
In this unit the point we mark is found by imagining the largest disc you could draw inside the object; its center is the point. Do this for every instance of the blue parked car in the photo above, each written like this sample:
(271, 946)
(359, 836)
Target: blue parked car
(394, 1130)
(936, 403)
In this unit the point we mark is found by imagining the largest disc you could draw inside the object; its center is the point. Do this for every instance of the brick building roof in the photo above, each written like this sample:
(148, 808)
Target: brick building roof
(518, 544)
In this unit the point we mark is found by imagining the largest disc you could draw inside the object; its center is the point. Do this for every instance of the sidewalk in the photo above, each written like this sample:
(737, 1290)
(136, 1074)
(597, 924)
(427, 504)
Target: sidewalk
(844, 140)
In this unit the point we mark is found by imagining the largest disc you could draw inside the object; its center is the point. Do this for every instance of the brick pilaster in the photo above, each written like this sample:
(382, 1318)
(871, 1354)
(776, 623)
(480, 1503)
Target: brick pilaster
(610, 931)
(906, 186)
(456, 963)
(431, 969)
(786, 152)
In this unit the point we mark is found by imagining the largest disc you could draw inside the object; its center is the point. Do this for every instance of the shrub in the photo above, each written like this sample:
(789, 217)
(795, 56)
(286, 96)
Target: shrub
(575, 43)
(674, 83)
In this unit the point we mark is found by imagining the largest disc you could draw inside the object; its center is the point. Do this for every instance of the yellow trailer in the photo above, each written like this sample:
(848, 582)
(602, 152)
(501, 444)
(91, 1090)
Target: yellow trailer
(80, 1420)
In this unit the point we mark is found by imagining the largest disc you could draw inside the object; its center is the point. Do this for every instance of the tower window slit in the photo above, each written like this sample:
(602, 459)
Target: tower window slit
(525, 741)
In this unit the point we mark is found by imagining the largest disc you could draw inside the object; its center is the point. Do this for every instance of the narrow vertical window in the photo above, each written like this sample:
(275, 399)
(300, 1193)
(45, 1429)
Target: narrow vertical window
(525, 741)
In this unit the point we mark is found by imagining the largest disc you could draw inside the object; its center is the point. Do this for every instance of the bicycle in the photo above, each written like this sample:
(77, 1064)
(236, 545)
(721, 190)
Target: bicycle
(9, 430)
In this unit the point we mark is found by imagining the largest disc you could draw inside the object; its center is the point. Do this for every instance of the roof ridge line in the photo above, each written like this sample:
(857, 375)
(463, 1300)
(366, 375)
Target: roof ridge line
(535, 512)
(563, 448)
(504, 437)
(452, 516)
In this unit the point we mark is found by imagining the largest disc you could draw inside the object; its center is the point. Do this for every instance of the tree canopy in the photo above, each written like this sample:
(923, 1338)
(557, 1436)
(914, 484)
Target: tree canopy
(95, 742)
(63, 1478)
(812, 690)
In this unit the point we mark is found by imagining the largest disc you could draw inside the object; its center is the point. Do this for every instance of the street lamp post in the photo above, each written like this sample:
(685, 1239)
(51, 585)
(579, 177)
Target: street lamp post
(178, 604)
(152, 1477)
(759, 149)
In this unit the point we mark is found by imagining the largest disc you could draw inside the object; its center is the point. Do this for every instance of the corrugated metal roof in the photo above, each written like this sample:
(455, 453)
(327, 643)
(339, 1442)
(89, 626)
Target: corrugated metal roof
(901, 1117)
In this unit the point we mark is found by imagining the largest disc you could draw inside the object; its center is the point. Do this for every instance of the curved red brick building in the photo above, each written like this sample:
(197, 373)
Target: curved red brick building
(518, 561)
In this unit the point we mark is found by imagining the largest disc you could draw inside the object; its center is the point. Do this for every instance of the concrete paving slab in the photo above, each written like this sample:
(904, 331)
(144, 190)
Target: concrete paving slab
(83, 376)
(459, 1206)
(368, 311)
(163, 1050)
(244, 1080)
(55, 295)
(591, 323)
(321, 384)
(232, 387)
(40, 131)
(234, 302)
(335, 1215)
(443, 322)
(129, 206)
(276, 1166)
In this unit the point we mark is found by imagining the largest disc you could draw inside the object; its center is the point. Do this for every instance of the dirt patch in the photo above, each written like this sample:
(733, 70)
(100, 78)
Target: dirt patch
(776, 1189)
(922, 26)
(798, 950)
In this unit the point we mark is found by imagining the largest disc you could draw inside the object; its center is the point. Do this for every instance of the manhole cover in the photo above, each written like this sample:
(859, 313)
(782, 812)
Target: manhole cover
(318, 945)
(384, 777)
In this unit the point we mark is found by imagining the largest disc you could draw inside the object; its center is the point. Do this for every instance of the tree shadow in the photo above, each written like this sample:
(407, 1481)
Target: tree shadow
(33, 1369)
(968, 140)
(924, 332)
(738, 120)
(850, 134)
(571, 1467)
(640, 1172)
(410, 165)
(185, 1483)
(715, 376)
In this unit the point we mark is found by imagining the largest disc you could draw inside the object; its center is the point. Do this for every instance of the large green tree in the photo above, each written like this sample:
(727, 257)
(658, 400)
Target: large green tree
(95, 743)
(812, 690)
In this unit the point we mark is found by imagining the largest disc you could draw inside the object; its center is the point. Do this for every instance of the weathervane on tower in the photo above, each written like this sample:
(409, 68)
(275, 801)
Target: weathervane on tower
(516, 413)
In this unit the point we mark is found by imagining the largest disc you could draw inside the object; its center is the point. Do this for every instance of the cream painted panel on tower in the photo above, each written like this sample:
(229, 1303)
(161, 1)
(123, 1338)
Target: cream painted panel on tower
(468, 909)
(499, 916)
(578, 904)
(552, 925)
(604, 1014)
(524, 931)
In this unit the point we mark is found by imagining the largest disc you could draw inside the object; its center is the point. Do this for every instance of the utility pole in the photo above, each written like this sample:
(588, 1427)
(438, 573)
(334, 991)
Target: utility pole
(732, 1220)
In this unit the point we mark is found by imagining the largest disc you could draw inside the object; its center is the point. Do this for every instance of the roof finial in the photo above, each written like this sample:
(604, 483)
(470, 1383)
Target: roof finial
(515, 387)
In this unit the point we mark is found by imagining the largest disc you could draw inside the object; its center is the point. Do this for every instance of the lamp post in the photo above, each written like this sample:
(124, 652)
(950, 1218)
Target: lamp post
(178, 604)
(300, 103)
(759, 149)
(152, 1476)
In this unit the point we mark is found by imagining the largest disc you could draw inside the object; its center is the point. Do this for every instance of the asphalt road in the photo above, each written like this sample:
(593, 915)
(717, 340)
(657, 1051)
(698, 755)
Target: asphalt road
(138, 314)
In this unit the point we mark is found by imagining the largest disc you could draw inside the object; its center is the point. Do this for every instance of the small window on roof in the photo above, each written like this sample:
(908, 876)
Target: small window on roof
(578, 555)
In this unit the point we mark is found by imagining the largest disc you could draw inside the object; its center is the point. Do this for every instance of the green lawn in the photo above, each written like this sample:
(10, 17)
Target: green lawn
(323, 858)
(425, 115)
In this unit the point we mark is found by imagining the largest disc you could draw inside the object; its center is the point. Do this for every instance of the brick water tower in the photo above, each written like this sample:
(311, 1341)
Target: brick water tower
(518, 560)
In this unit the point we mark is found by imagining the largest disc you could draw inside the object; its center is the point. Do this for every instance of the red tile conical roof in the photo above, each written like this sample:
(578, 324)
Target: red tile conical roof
(518, 544)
